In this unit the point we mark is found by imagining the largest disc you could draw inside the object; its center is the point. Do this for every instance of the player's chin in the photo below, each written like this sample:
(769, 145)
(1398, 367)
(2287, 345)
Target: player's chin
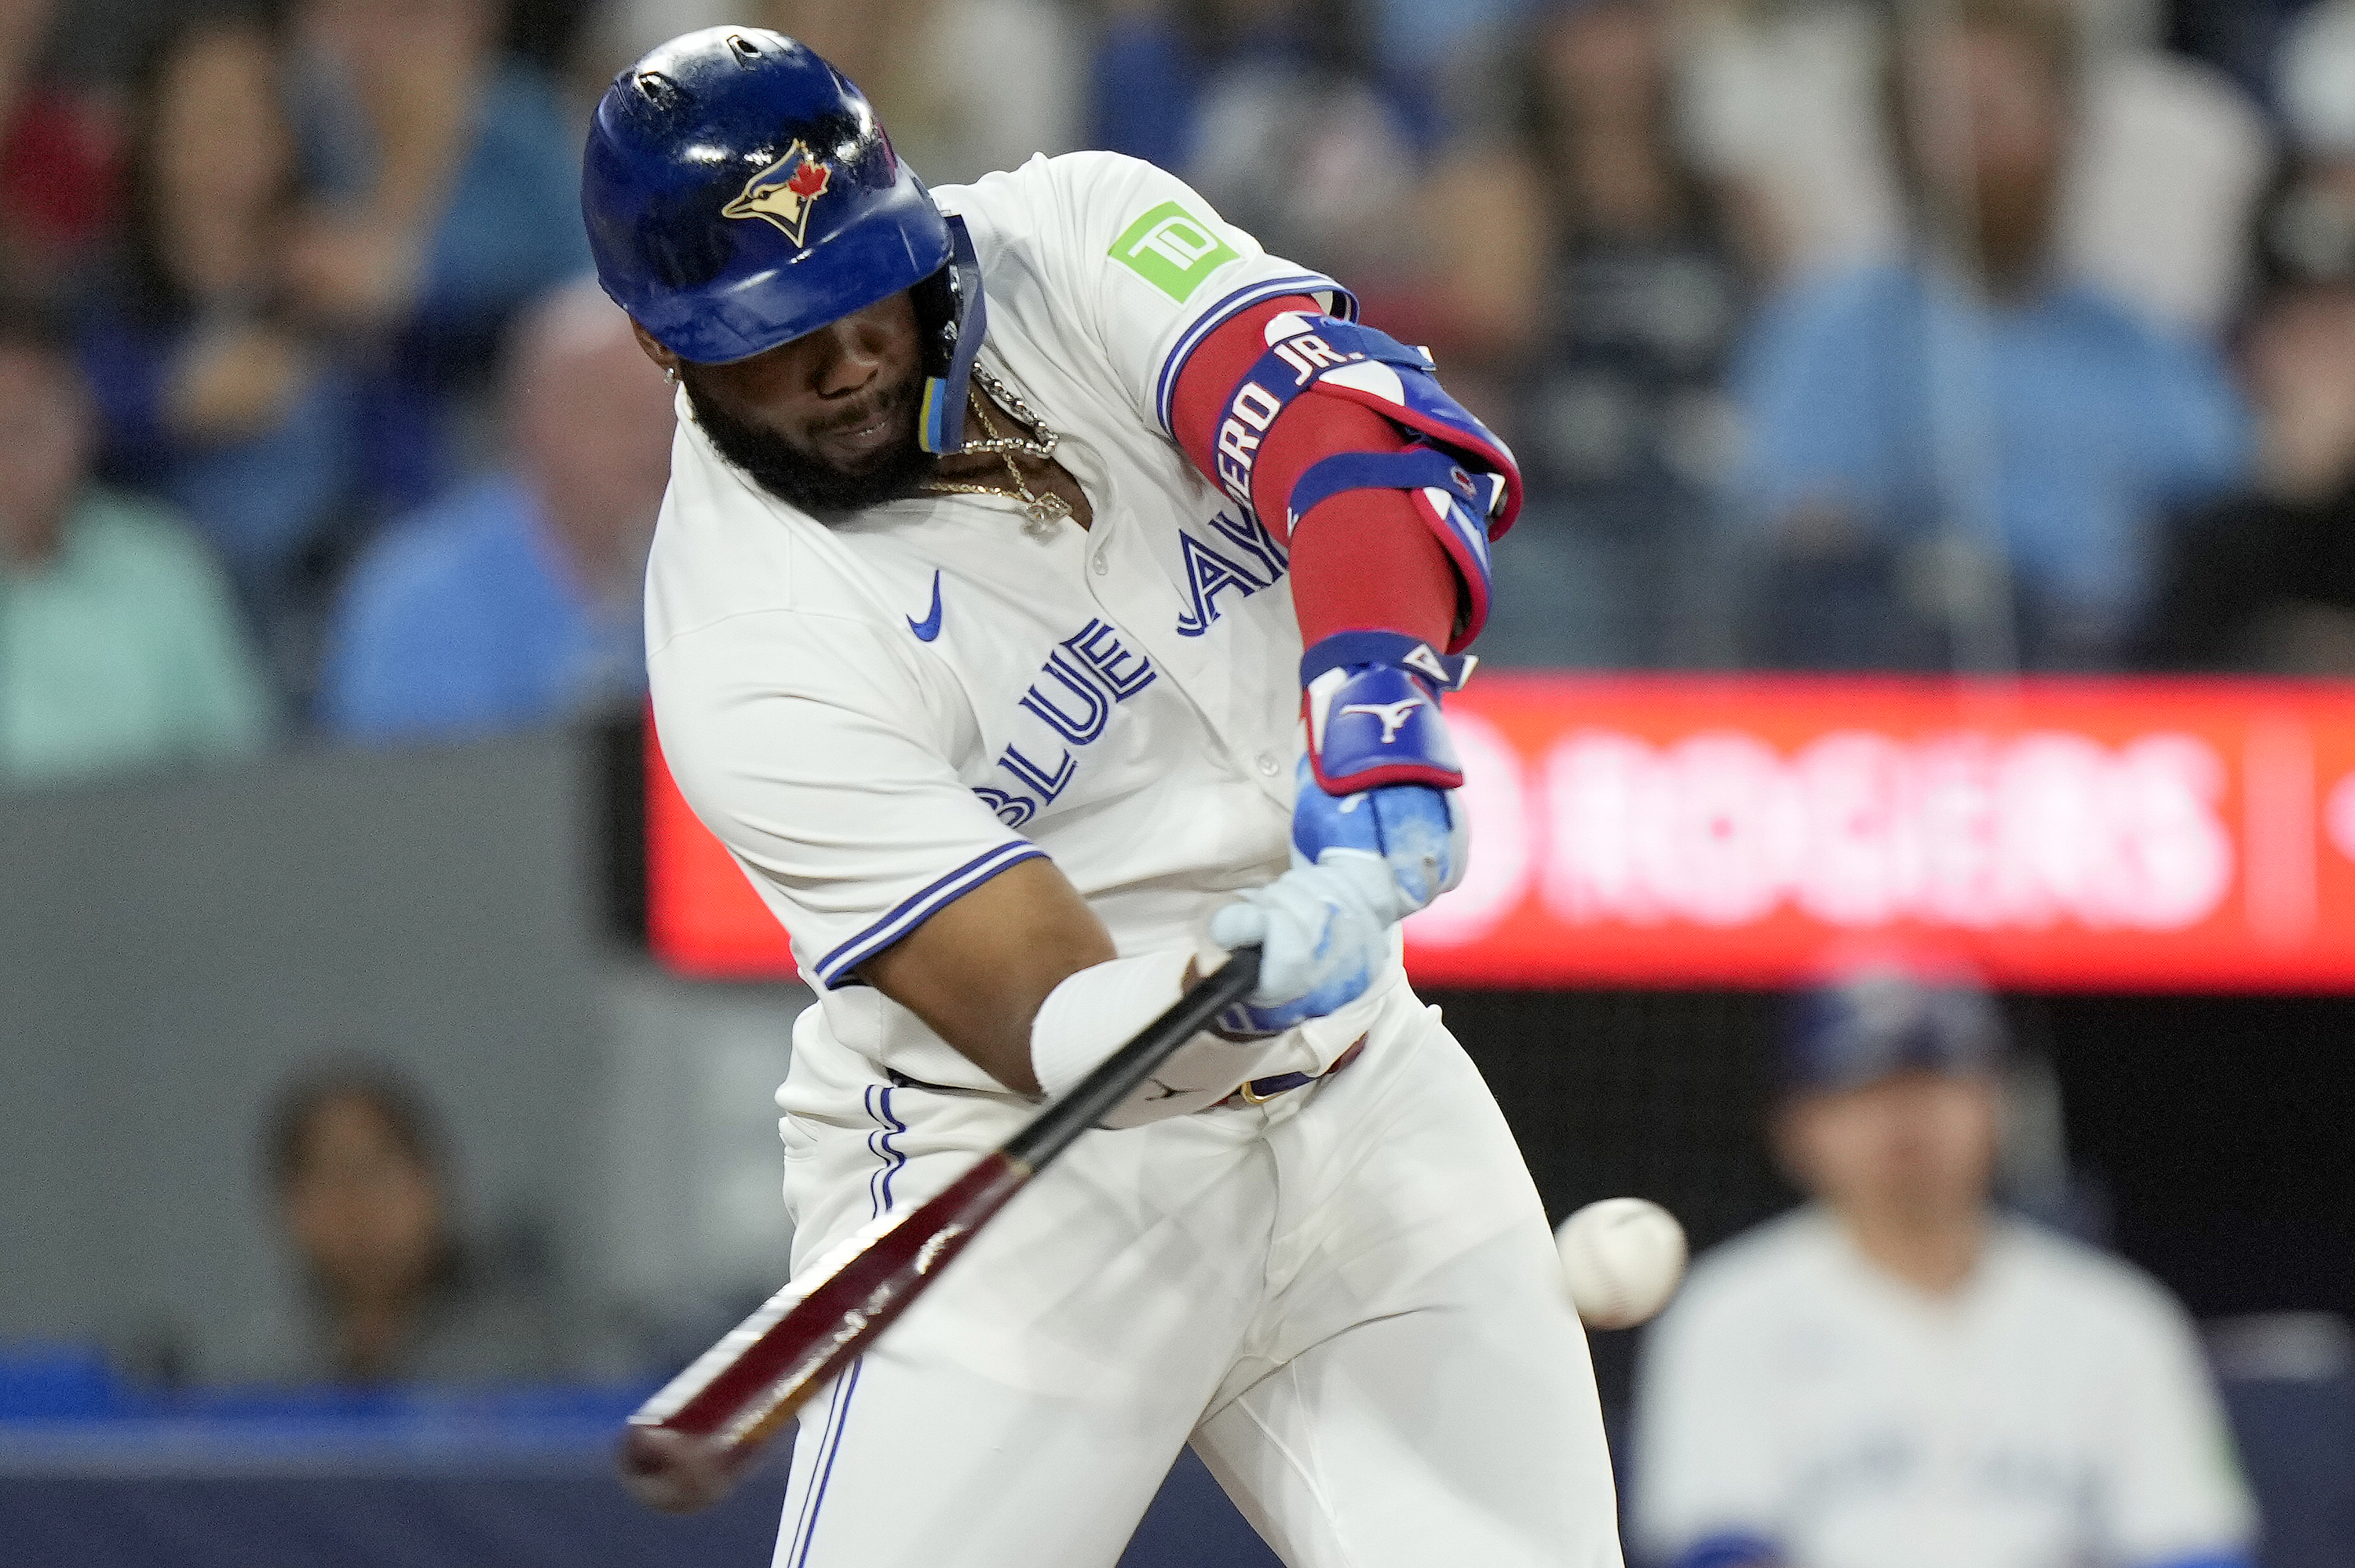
(868, 449)
(817, 472)
(890, 473)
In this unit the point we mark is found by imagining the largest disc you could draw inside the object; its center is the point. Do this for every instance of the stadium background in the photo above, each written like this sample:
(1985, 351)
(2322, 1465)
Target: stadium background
(470, 904)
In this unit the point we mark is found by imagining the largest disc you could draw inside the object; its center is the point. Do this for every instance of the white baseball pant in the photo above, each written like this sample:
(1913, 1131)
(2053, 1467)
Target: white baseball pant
(1346, 1299)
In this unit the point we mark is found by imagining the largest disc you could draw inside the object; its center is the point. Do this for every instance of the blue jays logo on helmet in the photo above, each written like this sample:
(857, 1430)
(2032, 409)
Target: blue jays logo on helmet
(784, 193)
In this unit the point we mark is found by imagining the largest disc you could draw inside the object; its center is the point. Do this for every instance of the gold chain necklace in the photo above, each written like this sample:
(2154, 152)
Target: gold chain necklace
(1043, 511)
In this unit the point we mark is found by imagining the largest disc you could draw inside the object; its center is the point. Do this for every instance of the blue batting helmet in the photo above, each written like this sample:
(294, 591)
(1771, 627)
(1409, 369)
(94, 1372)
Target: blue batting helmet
(738, 192)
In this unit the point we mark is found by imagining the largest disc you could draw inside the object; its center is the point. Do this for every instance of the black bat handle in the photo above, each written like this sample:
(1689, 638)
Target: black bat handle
(1093, 1096)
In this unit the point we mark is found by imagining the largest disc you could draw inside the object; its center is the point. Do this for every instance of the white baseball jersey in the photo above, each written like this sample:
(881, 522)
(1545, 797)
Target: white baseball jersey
(1345, 1298)
(878, 717)
(2056, 1413)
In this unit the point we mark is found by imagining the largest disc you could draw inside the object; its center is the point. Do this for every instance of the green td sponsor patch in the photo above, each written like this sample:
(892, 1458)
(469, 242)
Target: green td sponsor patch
(1172, 250)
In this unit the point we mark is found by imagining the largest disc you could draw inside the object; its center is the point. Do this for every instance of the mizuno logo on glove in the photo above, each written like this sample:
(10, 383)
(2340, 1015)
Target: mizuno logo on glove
(1393, 715)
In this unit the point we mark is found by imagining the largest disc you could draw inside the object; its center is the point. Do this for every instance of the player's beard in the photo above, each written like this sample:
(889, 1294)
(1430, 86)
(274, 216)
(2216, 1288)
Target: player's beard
(808, 482)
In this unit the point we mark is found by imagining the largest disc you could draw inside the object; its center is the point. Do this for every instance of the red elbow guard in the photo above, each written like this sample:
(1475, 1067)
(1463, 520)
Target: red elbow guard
(1399, 563)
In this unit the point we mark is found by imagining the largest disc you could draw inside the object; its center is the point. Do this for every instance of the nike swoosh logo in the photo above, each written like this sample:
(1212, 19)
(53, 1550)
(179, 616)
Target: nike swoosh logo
(929, 627)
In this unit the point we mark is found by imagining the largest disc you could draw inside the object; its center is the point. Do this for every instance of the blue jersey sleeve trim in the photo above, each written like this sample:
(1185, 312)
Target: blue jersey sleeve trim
(1733, 1548)
(1165, 387)
(920, 907)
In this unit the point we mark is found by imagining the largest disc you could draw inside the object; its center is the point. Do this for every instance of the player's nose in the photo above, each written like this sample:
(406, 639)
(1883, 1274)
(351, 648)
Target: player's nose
(851, 356)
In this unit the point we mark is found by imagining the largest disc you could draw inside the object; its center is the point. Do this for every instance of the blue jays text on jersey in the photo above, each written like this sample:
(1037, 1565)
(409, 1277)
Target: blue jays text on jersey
(1072, 699)
(1211, 572)
(1091, 670)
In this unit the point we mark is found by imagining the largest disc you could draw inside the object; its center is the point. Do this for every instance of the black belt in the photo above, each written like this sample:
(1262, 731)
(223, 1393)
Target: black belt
(1259, 1091)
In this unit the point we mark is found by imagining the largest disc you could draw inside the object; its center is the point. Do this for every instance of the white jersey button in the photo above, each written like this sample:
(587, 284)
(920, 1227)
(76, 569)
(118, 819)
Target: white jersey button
(1101, 564)
(1267, 763)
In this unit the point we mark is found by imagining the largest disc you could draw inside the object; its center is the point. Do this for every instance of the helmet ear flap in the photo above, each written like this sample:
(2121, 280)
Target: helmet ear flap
(936, 319)
(952, 317)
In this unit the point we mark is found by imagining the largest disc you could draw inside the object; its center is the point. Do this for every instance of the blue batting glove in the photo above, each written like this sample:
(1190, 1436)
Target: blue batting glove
(1418, 832)
(1323, 932)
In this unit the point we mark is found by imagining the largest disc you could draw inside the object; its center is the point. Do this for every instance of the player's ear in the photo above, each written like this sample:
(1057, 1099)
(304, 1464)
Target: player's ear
(665, 360)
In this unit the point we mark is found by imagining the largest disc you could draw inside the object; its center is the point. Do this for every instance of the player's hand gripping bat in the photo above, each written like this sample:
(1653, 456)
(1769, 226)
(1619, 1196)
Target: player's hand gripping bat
(686, 1446)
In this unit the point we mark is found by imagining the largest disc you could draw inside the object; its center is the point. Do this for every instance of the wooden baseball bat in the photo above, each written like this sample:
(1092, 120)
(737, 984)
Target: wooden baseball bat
(685, 1446)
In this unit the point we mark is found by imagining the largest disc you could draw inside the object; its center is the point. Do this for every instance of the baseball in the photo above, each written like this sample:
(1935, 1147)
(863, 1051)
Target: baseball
(1623, 1258)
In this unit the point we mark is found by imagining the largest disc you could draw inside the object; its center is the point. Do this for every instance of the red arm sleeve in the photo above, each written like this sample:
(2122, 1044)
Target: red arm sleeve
(1363, 560)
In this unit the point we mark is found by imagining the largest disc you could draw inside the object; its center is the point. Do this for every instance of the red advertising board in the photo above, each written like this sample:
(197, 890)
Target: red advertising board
(702, 916)
(2138, 835)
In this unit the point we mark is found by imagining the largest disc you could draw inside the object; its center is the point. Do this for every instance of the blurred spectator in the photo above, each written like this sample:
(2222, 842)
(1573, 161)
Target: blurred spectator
(2309, 230)
(550, 34)
(2241, 37)
(2171, 161)
(1274, 110)
(2165, 163)
(1784, 101)
(214, 396)
(450, 183)
(1951, 472)
(1143, 84)
(1588, 275)
(119, 646)
(360, 1182)
(2266, 582)
(518, 601)
(1424, 44)
(1895, 1374)
(966, 86)
(57, 156)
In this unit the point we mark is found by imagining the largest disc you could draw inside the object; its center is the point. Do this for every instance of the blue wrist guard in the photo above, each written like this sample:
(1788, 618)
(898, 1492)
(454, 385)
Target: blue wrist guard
(1381, 773)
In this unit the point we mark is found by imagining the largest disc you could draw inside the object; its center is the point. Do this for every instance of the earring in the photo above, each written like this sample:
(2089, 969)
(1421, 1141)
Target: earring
(671, 376)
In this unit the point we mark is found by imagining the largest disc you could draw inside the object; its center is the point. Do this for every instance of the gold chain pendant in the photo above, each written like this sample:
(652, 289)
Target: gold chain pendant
(1043, 514)
(1046, 508)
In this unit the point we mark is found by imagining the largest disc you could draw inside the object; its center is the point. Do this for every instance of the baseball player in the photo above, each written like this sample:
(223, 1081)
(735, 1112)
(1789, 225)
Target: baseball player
(1014, 529)
(1894, 1373)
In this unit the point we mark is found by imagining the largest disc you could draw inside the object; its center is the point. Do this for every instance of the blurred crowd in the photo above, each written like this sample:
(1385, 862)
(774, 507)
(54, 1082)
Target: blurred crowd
(1986, 334)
